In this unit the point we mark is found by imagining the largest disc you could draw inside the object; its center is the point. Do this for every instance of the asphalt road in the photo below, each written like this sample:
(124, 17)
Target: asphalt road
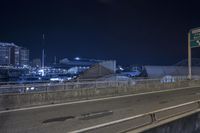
(66, 118)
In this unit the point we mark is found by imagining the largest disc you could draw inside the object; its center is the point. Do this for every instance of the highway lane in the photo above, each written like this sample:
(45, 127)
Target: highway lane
(67, 118)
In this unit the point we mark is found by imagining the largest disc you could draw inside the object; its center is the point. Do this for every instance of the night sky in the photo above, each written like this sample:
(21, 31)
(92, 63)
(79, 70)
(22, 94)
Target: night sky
(145, 32)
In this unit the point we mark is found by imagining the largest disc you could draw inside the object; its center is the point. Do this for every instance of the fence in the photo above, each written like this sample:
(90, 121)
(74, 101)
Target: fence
(81, 84)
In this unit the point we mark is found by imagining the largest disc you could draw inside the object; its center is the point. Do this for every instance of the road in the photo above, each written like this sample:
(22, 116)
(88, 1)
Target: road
(71, 117)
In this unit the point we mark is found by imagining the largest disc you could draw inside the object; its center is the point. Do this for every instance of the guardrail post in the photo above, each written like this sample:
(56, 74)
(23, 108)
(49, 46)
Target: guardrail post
(95, 84)
(64, 86)
(46, 89)
(153, 117)
(116, 84)
(24, 90)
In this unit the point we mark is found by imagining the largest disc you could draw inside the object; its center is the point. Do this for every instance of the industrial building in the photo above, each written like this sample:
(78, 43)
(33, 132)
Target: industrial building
(13, 55)
(88, 68)
(179, 69)
(99, 70)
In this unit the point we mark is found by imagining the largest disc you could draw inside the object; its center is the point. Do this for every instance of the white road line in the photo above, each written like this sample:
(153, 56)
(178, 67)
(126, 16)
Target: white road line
(130, 118)
(106, 124)
(94, 100)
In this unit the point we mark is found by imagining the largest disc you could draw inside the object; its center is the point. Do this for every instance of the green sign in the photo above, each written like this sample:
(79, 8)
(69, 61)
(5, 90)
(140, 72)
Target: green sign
(195, 38)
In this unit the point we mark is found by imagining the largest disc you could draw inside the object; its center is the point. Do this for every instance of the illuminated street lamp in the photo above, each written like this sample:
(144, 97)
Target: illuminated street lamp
(77, 58)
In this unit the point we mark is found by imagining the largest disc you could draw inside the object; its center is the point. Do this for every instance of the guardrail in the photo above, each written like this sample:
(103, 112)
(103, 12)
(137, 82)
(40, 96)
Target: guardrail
(81, 84)
(142, 120)
(49, 87)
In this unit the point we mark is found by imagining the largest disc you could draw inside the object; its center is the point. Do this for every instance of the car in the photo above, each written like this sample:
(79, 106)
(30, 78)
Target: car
(168, 79)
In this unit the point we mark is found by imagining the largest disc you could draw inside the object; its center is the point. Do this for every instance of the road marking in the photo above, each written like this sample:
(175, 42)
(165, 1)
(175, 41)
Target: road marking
(131, 118)
(94, 100)
(105, 124)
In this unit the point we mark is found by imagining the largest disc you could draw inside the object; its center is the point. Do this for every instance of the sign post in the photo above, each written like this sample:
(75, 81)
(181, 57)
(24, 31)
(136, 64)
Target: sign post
(193, 42)
(189, 58)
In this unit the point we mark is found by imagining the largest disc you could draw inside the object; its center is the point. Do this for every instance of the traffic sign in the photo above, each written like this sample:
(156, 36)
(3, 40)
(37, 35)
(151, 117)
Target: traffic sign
(193, 42)
(195, 37)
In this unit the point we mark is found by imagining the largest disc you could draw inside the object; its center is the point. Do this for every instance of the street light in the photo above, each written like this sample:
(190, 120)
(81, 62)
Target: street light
(77, 58)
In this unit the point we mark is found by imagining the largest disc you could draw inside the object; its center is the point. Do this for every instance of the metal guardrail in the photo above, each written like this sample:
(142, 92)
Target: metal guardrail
(148, 118)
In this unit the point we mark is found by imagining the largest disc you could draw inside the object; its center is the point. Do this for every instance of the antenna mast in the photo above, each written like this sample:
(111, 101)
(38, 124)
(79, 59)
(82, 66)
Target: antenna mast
(43, 52)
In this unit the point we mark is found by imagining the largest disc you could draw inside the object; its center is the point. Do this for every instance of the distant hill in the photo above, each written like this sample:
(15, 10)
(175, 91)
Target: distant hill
(195, 62)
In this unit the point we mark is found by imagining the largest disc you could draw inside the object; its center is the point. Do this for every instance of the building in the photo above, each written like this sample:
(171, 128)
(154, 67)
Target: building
(76, 66)
(13, 55)
(4, 55)
(99, 70)
(88, 68)
(15, 58)
(36, 63)
(24, 57)
(179, 69)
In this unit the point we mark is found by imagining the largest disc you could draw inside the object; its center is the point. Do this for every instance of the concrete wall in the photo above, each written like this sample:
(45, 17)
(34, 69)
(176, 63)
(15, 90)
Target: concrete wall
(189, 124)
(11, 101)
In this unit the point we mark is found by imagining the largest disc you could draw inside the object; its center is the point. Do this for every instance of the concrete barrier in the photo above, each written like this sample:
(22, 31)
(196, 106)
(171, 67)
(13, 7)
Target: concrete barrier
(11, 101)
(188, 124)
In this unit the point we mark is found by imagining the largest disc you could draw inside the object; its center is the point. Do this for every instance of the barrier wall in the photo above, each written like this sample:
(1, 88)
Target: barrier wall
(11, 101)
(189, 124)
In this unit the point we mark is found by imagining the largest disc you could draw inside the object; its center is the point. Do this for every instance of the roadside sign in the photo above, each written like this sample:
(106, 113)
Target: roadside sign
(193, 42)
(195, 37)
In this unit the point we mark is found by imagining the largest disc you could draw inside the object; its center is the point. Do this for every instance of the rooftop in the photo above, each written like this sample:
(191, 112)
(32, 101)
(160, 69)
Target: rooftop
(3, 44)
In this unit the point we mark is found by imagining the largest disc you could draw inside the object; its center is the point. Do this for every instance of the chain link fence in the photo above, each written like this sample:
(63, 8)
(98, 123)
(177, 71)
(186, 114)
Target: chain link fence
(92, 84)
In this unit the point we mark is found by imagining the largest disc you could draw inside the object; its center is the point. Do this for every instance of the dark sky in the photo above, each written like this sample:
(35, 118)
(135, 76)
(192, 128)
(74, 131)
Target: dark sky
(130, 31)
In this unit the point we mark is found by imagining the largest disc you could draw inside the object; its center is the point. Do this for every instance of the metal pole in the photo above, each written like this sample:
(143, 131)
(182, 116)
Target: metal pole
(43, 52)
(189, 59)
(43, 58)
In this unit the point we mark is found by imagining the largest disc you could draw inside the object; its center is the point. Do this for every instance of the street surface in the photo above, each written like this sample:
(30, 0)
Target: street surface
(71, 117)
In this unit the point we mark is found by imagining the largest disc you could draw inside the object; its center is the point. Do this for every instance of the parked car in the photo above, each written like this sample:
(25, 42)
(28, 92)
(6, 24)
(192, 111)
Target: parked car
(168, 79)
